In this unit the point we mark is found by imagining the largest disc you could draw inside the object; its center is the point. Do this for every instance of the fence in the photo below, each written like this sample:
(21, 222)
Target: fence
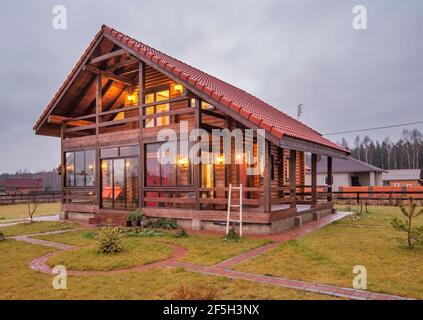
(30, 197)
(378, 195)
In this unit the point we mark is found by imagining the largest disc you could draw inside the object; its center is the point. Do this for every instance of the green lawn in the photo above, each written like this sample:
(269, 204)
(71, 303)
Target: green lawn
(37, 227)
(329, 255)
(136, 251)
(20, 282)
(17, 211)
(202, 249)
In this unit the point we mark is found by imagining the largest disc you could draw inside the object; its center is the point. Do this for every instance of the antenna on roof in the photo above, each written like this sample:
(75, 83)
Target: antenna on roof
(299, 111)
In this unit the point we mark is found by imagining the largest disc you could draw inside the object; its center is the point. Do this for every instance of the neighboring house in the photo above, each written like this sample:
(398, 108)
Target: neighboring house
(23, 185)
(108, 114)
(402, 178)
(346, 173)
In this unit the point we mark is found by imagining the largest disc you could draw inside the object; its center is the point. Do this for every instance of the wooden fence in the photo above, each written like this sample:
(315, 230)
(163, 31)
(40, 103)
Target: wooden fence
(30, 197)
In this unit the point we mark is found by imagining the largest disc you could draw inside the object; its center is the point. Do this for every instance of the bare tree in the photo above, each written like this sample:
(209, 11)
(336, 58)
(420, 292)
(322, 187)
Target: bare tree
(366, 144)
(32, 208)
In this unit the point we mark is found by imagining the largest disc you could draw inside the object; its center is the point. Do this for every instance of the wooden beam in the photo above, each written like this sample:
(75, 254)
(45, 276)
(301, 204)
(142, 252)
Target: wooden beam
(141, 162)
(60, 120)
(110, 75)
(109, 55)
(330, 180)
(293, 177)
(98, 109)
(197, 167)
(313, 180)
(121, 64)
(267, 179)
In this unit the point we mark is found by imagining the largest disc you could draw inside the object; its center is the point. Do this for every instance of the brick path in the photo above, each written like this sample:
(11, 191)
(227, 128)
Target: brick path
(13, 222)
(223, 268)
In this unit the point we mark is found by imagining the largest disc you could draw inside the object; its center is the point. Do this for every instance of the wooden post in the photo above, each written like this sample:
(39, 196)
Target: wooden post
(141, 162)
(98, 109)
(281, 192)
(330, 180)
(293, 178)
(197, 167)
(63, 164)
(266, 179)
(313, 180)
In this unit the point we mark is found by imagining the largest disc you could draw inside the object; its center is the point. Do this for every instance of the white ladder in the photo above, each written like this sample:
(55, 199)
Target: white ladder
(230, 205)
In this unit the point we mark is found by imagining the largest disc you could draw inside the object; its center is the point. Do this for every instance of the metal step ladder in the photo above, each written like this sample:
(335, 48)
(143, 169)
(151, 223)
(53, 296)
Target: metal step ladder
(230, 205)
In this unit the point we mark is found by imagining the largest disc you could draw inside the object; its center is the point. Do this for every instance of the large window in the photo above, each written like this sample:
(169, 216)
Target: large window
(120, 177)
(80, 168)
(159, 108)
(176, 172)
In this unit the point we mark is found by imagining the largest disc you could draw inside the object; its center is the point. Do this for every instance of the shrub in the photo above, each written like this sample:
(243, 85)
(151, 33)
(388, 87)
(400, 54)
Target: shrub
(181, 233)
(135, 217)
(198, 292)
(232, 235)
(110, 239)
(164, 223)
(414, 234)
(1, 236)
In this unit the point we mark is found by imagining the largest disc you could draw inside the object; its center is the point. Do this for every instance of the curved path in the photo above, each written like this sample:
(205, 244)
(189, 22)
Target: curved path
(223, 269)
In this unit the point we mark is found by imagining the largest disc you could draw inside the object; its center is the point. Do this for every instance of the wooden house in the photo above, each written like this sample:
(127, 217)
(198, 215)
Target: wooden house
(122, 93)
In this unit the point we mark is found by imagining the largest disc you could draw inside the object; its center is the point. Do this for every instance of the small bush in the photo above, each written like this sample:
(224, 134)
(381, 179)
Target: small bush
(181, 233)
(232, 235)
(198, 292)
(1, 236)
(164, 223)
(110, 239)
(135, 217)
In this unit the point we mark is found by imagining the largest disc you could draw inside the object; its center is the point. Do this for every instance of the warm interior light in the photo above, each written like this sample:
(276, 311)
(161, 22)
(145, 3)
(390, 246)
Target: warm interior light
(127, 164)
(220, 159)
(104, 165)
(178, 87)
(183, 161)
(91, 167)
(131, 98)
(239, 156)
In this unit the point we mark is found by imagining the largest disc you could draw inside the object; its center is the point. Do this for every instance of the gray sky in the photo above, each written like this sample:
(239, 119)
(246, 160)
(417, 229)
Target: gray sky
(284, 52)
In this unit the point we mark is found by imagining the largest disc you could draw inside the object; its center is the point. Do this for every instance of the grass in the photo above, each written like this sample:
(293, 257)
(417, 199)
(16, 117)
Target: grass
(202, 249)
(136, 251)
(36, 227)
(20, 282)
(329, 255)
(20, 210)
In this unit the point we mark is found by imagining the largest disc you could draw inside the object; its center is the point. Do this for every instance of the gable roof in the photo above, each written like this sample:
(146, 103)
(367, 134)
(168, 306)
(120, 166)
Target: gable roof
(349, 165)
(402, 174)
(274, 121)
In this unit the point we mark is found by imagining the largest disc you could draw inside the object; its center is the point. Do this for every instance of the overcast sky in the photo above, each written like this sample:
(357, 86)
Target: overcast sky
(284, 52)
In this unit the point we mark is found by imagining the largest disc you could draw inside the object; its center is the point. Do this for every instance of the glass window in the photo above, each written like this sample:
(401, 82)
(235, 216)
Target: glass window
(131, 189)
(90, 168)
(159, 173)
(152, 165)
(163, 95)
(80, 168)
(119, 183)
(107, 183)
(70, 169)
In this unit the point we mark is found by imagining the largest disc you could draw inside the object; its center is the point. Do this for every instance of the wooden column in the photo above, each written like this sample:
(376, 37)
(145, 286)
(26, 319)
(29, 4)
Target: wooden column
(63, 163)
(330, 180)
(141, 157)
(266, 179)
(281, 172)
(313, 180)
(98, 109)
(197, 167)
(293, 178)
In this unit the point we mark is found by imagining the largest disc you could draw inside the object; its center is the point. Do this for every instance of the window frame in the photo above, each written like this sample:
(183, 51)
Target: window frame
(74, 169)
(157, 103)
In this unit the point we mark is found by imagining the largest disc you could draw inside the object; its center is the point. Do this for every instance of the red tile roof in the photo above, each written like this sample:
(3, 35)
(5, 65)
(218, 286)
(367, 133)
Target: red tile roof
(262, 114)
(23, 183)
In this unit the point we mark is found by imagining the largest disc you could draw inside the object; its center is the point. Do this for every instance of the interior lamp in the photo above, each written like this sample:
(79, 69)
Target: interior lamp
(178, 88)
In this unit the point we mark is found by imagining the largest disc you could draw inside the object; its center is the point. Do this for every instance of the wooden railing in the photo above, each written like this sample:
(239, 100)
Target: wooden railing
(85, 195)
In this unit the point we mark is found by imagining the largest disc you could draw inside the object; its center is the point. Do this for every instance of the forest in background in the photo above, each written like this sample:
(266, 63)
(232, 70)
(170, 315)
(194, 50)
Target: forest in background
(406, 153)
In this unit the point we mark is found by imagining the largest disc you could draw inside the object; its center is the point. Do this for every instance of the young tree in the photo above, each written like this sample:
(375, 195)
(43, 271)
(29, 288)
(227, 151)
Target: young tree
(32, 208)
(414, 234)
